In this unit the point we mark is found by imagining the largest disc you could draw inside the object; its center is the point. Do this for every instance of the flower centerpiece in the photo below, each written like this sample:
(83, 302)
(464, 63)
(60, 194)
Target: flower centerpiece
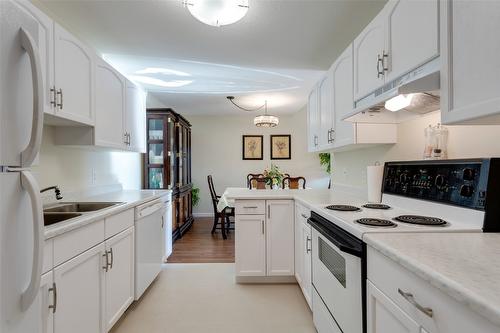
(274, 175)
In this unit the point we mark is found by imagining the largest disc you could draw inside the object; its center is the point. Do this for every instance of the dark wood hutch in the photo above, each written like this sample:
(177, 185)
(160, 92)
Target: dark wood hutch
(167, 163)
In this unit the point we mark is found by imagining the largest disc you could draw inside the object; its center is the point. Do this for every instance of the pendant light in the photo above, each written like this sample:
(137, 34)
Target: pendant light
(217, 12)
(264, 120)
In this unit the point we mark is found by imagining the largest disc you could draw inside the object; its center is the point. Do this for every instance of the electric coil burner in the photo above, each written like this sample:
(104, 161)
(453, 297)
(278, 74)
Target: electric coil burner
(343, 208)
(376, 222)
(376, 206)
(421, 220)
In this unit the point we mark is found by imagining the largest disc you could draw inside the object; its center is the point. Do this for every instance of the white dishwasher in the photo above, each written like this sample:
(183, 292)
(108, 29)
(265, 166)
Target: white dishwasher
(148, 244)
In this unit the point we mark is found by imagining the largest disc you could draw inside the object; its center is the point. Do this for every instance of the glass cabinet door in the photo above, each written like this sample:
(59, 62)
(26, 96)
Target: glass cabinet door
(155, 178)
(155, 126)
(155, 155)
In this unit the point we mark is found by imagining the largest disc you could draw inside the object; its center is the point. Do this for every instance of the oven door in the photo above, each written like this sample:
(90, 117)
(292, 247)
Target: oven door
(337, 278)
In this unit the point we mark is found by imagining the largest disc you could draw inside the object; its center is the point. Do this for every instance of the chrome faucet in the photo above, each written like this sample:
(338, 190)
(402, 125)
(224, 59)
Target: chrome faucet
(56, 190)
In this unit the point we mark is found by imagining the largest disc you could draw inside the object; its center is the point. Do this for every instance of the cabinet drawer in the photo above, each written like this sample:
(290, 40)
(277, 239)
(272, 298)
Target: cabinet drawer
(323, 320)
(77, 241)
(119, 222)
(302, 212)
(250, 207)
(48, 256)
(448, 315)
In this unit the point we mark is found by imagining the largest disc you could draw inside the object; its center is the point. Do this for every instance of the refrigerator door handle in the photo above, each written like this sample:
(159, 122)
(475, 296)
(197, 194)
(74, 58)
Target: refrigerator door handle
(29, 184)
(30, 152)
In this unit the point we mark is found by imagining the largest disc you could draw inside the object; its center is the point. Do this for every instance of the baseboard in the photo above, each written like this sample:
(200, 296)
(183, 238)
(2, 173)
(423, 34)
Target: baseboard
(265, 279)
(203, 214)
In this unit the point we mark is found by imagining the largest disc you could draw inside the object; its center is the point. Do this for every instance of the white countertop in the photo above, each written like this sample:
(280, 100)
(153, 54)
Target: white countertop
(130, 199)
(466, 266)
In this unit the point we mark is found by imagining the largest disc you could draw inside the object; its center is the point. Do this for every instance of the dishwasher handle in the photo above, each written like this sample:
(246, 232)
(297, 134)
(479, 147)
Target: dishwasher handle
(149, 209)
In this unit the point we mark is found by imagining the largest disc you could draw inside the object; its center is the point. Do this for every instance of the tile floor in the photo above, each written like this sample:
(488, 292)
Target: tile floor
(194, 298)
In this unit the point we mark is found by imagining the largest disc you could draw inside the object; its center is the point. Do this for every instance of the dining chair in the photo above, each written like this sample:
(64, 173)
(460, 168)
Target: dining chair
(253, 175)
(258, 183)
(293, 183)
(219, 216)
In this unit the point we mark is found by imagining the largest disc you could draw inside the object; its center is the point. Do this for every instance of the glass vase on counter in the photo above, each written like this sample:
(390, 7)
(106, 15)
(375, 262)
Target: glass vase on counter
(436, 142)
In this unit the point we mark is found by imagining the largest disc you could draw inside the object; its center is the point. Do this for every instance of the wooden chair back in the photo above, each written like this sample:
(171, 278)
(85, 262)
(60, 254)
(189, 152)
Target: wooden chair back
(253, 175)
(215, 199)
(258, 183)
(293, 183)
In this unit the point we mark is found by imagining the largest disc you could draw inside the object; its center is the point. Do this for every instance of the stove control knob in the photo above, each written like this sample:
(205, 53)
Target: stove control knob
(466, 191)
(439, 182)
(468, 174)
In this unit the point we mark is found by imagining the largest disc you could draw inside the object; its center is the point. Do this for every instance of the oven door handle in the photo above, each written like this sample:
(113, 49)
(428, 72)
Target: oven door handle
(337, 239)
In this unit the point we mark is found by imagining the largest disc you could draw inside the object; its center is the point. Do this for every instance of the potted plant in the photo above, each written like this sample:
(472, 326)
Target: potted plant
(195, 195)
(275, 176)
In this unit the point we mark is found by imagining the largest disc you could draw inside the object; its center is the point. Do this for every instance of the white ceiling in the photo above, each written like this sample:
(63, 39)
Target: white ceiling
(276, 52)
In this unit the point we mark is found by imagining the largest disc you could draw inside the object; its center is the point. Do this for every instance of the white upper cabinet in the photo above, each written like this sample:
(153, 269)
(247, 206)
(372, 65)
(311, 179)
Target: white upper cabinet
(410, 40)
(343, 98)
(135, 117)
(74, 77)
(313, 120)
(368, 57)
(470, 73)
(395, 42)
(45, 30)
(326, 111)
(110, 106)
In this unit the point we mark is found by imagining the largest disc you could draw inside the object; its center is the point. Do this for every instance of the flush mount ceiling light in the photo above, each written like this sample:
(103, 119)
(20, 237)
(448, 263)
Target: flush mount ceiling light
(217, 12)
(264, 120)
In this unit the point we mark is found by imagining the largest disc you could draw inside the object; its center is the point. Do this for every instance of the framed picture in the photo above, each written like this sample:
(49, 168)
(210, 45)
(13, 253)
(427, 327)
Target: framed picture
(281, 147)
(253, 147)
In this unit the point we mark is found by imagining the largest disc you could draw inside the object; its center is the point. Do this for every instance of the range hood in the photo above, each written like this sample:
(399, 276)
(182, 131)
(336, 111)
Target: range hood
(420, 86)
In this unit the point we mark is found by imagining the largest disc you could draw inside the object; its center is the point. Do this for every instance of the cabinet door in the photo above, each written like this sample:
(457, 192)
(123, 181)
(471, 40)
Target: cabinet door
(110, 99)
(120, 276)
(343, 101)
(45, 45)
(410, 41)
(470, 88)
(368, 47)
(326, 116)
(80, 293)
(250, 245)
(280, 237)
(74, 77)
(135, 117)
(307, 261)
(299, 249)
(313, 121)
(384, 316)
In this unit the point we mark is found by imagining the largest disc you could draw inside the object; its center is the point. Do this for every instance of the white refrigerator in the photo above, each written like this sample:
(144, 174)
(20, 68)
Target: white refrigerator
(21, 211)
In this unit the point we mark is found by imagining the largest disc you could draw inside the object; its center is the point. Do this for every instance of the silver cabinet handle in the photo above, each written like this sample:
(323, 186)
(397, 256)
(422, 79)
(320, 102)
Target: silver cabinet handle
(53, 290)
(268, 211)
(304, 216)
(112, 258)
(162, 222)
(262, 227)
(53, 96)
(379, 60)
(129, 139)
(250, 207)
(106, 265)
(60, 94)
(411, 299)
(315, 140)
(308, 241)
(385, 57)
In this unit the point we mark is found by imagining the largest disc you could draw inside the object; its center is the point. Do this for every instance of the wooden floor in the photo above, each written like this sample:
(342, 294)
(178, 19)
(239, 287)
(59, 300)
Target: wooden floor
(198, 245)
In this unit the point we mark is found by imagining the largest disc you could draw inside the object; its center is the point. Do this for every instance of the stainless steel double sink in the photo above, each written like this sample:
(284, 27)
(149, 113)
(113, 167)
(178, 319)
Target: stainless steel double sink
(68, 210)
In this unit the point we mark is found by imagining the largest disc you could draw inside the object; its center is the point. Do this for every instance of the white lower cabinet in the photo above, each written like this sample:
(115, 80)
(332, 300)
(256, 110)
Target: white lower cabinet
(400, 301)
(250, 245)
(280, 237)
(264, 244)
(383, 316)
(303, 255)
(80, 293)
(119, 278)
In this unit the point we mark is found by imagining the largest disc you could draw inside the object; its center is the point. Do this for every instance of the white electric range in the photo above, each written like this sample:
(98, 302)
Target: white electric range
(423, 196)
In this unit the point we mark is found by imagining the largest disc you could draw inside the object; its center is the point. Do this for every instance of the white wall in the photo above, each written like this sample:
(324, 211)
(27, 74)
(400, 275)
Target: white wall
(217, 150)
(349, 168)
(72, 167)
